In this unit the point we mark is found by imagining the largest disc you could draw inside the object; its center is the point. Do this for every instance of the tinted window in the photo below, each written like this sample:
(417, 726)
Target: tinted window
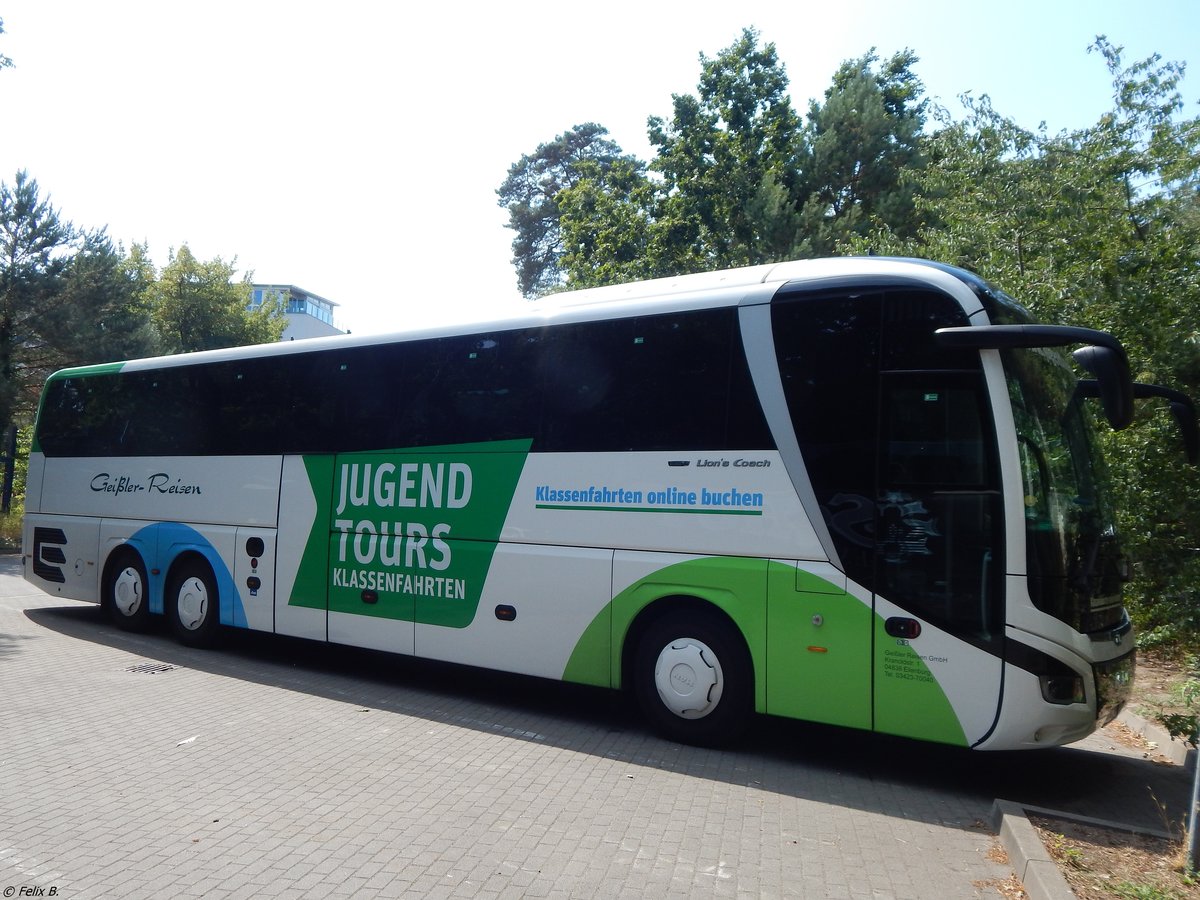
(83, 417)
(828, 347)
(898, 442)
(910, 318)
(468, 389)
(940, 539)
(933, 431)
(671, 382)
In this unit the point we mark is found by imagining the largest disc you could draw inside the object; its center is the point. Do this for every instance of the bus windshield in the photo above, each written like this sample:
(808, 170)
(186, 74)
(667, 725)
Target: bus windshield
(1074, 561)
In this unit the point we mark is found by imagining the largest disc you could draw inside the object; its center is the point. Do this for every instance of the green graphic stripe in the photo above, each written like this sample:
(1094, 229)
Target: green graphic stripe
(858, 675)
(654, 509)
(409, 533)
(84, 371)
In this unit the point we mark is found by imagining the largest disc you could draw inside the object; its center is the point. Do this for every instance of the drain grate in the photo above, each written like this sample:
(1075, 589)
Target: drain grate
(150, 668)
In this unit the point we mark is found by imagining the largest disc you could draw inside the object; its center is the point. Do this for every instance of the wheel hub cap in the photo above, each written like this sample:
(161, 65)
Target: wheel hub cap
(688, 678)
(127, 591)
(192, 603)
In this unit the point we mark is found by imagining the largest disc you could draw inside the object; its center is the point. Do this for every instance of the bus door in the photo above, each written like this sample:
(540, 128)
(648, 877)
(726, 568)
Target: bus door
(938, 561)
(897, 442)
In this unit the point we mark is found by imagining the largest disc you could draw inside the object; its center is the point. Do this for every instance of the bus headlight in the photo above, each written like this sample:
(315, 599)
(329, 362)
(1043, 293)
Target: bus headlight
(1062, 689)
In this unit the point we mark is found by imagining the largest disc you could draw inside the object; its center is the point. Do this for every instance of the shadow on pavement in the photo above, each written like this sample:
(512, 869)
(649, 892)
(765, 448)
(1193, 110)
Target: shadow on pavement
(822, 763)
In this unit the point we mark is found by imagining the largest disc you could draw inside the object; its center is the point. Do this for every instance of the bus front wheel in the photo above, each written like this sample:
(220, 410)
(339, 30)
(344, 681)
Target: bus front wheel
(126, 592)
(693, 679)
(194, 606)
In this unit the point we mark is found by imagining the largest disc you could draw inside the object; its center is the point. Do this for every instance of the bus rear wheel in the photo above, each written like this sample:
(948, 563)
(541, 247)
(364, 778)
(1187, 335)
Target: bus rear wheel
(193, 603)
(126, 591)
(693, 679)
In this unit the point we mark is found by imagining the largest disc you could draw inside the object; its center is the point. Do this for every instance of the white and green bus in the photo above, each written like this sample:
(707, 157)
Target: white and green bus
(861, 492)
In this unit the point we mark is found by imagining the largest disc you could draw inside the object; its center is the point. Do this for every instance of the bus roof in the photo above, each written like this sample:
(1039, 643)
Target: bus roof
(727, 287)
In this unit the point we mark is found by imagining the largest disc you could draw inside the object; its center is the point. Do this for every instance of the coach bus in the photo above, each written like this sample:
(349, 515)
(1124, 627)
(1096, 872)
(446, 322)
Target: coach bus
(863, 492)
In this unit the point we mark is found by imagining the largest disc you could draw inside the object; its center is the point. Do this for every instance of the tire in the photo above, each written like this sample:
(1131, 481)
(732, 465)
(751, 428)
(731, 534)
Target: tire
(693, 679)
(127, 591)
(193, 604)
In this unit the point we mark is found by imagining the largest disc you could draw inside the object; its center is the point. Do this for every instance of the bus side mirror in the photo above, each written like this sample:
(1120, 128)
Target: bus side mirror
(1180, 404)
(1113, 381)
(1184, 411)
(1185, 416)
(1102, 355)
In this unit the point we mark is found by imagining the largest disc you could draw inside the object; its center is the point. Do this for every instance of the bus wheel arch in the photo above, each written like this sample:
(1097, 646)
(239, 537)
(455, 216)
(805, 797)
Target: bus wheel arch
(192, 600)
(125, 589)
(689, 667)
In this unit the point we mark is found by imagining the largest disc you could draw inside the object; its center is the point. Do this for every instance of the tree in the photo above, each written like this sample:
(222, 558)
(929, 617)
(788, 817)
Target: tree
(861, 151)
(66, 298)
(738, 178)
(33, 246)
(719, 192)
(531, 192)
(607, 234)
(96, 314)
(199, 306)
(728, 161)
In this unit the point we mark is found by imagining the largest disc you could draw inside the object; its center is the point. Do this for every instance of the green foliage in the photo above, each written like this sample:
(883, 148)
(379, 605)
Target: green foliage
(861, 152)
(199, 306)
(10, 522)
(65, 298)
(96, 311)
(1182, 712)
(10, 530)
(531, 194)
(1133, 891)
(722, 148)
(738, 178)
(32, 238)
(1096, 227)
(607, 236)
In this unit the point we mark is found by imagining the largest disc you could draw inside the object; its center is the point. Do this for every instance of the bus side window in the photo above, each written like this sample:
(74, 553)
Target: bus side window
(686, 359)
(493, 390)
(579, 367)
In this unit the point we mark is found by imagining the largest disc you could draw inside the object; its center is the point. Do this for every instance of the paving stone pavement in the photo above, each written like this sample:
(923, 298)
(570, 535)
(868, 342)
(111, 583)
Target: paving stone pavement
(132, 767)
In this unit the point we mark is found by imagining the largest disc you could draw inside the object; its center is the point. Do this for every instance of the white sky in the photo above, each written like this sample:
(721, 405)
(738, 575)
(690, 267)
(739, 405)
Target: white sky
(354, 148)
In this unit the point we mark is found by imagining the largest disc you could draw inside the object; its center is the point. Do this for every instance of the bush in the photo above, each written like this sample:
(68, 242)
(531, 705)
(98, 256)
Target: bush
(10, 531)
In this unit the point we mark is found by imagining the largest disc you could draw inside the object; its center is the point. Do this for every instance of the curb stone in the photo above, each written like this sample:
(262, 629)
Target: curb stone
(1175, 750)
(1035, 867)
(1029, 857)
